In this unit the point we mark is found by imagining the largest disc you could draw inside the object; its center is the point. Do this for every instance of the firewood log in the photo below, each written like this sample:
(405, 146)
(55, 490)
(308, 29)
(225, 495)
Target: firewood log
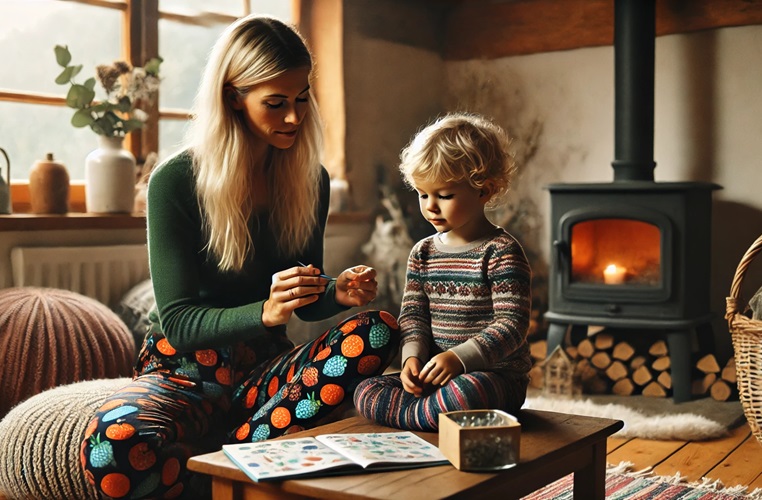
(623, 387)
(571, 351)
(708, 364)
(584, 371)
(603, 341)
(665, 379)
(728, 373)
(642, 375)
(661, 364)
(658, 348)
(539, 349)
(723, 391)
(616, 371)
(585, 348)
(623, 351)
(700, 386)
(637, 362)
(654, 389)
(593, 330)
(601, 360)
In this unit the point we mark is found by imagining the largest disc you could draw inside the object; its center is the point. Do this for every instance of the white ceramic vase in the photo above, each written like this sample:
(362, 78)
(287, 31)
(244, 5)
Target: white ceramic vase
(110, 173)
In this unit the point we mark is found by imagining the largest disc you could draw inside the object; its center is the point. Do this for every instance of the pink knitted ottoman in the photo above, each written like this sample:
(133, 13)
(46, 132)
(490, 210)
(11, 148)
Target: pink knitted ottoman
(51, 337)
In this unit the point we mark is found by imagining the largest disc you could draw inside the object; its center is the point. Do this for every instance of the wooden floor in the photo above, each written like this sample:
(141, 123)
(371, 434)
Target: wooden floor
(734, 460)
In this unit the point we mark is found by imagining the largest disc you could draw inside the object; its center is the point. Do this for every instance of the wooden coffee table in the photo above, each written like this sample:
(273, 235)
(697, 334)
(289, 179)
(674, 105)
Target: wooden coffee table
(552, 446)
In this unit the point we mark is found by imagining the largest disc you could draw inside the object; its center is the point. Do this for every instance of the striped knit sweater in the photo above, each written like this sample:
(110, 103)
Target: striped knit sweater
(474, 300)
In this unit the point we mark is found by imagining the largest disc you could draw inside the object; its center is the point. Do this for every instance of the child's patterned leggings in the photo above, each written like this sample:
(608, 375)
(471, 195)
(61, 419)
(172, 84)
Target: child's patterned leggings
(384, 400)
(183, 404)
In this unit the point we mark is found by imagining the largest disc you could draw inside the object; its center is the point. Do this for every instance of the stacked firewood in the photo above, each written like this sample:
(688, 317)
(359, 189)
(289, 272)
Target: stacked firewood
(607, 366)
(604, 364)
(715, 381)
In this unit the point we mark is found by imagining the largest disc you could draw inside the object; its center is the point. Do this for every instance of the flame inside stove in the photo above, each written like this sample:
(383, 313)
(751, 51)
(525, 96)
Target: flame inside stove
(616, 252)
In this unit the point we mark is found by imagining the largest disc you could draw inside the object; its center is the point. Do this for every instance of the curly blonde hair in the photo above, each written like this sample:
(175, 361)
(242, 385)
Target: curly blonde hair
(252, 50)
(460, 147)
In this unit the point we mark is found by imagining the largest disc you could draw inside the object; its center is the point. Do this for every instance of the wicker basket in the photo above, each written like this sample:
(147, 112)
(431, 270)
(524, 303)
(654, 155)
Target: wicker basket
(747, 346)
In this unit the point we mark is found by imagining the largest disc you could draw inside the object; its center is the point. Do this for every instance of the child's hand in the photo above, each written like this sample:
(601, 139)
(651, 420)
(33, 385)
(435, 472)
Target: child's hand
(356, 286)
(441, 369)
(409, 376)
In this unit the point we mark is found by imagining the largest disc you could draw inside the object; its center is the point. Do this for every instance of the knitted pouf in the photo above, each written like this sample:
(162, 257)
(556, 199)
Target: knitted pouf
(40, 440)
(51, 337)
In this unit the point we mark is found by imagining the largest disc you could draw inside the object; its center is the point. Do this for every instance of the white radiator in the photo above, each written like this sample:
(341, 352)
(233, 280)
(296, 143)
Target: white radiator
(104, 273)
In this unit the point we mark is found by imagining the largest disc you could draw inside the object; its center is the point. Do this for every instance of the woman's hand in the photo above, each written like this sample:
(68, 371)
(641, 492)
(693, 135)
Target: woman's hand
(356, 286)
(441, 369)
(291, 289)
(409, 376)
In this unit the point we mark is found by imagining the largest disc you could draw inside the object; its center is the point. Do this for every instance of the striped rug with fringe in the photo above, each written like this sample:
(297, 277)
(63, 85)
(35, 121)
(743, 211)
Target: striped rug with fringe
(643, 485)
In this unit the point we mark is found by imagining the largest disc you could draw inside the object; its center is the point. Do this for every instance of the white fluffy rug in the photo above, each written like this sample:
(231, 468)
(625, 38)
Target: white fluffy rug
(677, 426)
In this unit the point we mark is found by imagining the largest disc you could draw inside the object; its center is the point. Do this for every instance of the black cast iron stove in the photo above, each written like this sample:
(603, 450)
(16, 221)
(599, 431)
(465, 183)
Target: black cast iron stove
(633, 253)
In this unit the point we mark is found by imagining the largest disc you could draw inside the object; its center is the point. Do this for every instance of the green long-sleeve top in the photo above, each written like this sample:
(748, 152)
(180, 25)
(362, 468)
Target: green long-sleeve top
(199, 306)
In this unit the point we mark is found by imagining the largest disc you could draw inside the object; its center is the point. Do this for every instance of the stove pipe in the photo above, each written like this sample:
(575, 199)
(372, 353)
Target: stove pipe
(634, 43)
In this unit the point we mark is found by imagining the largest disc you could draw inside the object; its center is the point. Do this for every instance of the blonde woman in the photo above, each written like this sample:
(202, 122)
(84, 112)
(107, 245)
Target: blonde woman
(467, 301)
(231, 219)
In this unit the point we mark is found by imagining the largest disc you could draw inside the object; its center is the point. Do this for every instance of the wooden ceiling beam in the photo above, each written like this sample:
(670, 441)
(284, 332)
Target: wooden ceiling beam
(489, 29)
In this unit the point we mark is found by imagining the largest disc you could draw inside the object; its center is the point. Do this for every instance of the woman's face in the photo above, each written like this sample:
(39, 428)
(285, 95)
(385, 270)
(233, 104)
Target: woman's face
(274, 109)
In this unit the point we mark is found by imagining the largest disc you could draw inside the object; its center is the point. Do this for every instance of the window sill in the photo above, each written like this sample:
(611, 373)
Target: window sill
(71, 221)
(79, 220)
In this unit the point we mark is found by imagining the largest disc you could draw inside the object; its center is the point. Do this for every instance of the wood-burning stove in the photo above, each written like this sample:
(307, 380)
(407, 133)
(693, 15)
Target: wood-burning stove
(633, 253)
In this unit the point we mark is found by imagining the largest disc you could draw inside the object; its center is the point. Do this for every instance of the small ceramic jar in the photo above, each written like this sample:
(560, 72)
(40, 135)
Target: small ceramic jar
(49, 187)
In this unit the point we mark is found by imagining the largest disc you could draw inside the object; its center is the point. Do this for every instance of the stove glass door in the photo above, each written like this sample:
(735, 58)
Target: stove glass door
(616, 252)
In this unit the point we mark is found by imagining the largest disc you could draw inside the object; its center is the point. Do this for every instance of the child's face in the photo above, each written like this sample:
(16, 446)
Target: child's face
(453, 207)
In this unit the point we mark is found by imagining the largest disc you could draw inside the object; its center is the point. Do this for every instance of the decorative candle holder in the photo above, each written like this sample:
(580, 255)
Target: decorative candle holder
(480, 440)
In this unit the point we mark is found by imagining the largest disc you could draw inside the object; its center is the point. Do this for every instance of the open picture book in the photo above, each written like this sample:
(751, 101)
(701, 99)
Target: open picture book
(333, 454)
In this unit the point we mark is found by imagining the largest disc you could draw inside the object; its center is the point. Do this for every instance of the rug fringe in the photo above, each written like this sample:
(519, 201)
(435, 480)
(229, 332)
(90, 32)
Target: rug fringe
(625, 469)
(705, 483)
(620, 468)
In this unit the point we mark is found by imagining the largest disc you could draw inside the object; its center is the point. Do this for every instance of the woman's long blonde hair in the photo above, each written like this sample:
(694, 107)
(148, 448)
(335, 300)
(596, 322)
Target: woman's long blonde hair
(252, 50)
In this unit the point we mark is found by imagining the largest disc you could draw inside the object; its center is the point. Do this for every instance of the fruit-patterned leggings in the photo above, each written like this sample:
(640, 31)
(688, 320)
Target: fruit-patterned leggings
(384, 400)
(181, 404)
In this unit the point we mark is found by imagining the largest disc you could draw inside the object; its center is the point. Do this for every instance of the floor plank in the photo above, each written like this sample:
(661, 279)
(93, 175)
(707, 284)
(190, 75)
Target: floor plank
(740, 467)
(694, 460)
(757, 483)
(643, 453)
(613, 443)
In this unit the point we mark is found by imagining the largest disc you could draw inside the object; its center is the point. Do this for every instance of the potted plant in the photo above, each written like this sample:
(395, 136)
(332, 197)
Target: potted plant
(110, 169)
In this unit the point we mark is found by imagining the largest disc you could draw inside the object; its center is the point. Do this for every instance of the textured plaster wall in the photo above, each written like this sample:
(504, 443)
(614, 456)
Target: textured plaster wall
(391, 90)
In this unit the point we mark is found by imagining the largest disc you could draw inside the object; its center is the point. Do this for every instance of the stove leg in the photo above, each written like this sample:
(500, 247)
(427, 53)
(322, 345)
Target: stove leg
(556, 334)
(680, 364)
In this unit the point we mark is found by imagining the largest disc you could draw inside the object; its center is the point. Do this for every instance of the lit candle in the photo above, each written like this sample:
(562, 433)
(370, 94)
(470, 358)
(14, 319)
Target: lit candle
(614, 275)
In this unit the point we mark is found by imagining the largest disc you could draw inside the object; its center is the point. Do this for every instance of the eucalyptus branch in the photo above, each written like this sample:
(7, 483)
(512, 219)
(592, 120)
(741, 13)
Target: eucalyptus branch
(126, 88)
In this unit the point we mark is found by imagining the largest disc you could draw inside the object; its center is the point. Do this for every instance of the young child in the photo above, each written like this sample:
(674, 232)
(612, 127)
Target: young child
(466, 305)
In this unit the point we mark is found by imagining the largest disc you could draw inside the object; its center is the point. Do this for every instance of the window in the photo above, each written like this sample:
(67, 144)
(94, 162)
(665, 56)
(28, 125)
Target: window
(34, 119)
